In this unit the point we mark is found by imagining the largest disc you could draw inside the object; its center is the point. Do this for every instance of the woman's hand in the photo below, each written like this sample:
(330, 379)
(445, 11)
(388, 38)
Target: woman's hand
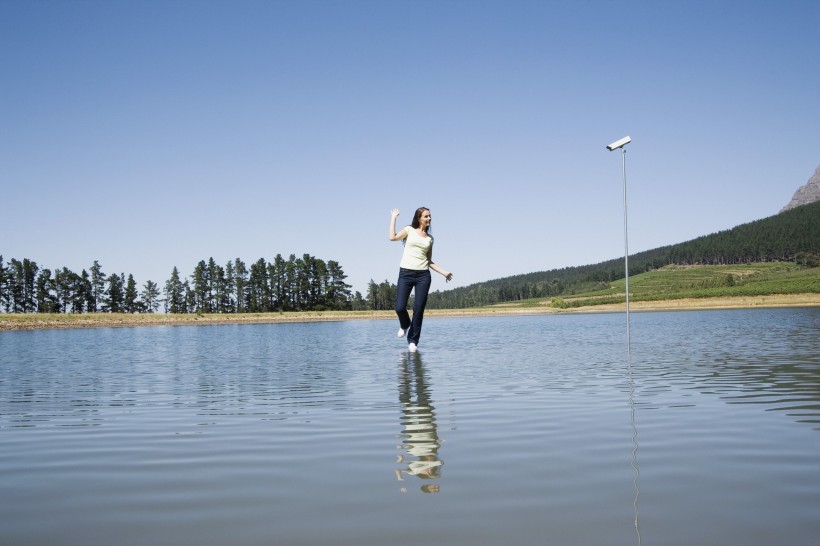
(448, 276)
(393, 235)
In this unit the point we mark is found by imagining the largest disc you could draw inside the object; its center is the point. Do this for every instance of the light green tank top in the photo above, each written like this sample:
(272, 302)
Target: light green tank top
(416, 249)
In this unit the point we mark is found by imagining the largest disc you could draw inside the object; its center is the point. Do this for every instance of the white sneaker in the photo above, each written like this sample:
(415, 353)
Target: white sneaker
(401, 333)
(412, 347)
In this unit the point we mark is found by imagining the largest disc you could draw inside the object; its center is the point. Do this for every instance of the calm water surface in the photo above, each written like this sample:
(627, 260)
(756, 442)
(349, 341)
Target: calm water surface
(505, 430)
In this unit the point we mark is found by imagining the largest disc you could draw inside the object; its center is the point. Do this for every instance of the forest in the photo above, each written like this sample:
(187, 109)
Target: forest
(312, 284)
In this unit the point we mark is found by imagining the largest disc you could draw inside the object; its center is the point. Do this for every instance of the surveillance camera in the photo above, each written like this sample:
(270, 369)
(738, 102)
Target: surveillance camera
(619, 143)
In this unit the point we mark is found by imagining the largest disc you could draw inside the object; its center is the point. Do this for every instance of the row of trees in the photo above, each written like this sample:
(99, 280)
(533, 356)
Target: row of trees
(294, 284)
(25, 288)
(381, 297)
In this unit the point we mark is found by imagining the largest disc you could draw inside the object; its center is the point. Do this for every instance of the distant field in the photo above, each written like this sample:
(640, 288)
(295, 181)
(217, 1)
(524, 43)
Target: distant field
(699, 282)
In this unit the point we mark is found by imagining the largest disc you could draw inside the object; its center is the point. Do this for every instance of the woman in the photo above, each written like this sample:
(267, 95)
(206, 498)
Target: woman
(414, 272)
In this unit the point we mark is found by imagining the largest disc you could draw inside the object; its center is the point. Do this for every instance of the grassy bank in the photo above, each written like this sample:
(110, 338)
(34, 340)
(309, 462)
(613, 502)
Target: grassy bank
(669, 288)
(36, 321)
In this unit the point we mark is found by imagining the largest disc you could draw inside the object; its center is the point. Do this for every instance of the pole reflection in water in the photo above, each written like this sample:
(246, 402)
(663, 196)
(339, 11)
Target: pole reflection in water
(420, 441)
(634, 461)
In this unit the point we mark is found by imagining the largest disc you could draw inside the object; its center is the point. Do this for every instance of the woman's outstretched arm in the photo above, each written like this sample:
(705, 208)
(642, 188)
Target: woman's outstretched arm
(393, 235)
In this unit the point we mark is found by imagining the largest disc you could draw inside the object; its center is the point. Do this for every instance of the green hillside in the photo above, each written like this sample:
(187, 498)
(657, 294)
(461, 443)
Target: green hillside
(703, 281)
(776, 255)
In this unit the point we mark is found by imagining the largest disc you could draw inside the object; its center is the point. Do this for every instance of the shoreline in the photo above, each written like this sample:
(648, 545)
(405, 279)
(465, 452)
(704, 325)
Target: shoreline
(40, 321)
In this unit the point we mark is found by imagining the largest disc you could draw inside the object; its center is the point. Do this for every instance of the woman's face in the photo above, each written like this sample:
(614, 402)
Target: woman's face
(424, 219)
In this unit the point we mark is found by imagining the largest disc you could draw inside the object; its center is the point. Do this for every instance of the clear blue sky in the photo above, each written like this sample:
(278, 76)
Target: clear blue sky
(154, 134)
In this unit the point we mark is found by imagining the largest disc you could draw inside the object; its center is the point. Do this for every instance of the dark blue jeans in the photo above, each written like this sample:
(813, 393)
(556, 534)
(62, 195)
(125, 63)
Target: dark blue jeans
(408, 280)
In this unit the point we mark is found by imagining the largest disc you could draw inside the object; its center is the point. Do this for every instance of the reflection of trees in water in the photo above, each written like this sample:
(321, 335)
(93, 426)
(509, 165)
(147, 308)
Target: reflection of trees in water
(419, 434)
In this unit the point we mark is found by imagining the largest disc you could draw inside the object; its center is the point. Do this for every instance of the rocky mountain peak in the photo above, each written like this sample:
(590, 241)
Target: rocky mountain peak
(807, 193)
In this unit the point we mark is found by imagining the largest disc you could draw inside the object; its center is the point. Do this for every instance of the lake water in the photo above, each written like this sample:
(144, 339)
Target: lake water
(500, 430)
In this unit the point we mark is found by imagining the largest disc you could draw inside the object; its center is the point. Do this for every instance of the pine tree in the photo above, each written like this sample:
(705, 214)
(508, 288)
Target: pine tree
(64, 286)
(292, 276)
(81, 292)
(5, 295)
(113, 296)
(258, 287)
(30, 269)
(230, 288)
(338, 290)
(278, 283)
(190, 298)
(201, 285)
(97, 288)
(149, 298)
(241, 285)
(213, 286)
(174, 294)
(358, 303)
(46, 300)
(220, 296)
(130, 303)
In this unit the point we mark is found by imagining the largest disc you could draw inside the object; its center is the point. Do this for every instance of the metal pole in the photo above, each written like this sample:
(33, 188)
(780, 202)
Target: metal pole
(614, 146)
(626, 250)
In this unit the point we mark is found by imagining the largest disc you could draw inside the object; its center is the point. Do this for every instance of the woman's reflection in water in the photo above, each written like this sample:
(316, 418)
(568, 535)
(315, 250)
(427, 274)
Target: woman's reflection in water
(420, 437)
